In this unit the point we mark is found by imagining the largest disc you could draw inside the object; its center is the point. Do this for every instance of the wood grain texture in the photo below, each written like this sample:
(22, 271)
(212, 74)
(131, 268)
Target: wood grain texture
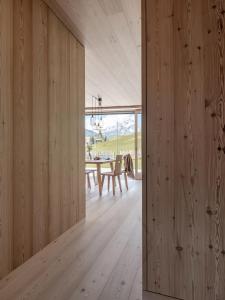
(66, 128)
(41, 130)
(161, 251)
(74, 134)
(190, 166)
(185, 145)
(22, 132)
(77, 264)
(77, 109)
(6, 137)
(40, 126)
(214, 120)
(57, 100)
(66, 119)
(81, 128)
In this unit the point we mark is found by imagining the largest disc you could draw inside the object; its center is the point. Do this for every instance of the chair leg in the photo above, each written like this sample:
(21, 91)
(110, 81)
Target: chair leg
(94, 178)
(103, 179)
(126, 181)
(88, 181)
(119, 183)
(108, 183)
(113, 185)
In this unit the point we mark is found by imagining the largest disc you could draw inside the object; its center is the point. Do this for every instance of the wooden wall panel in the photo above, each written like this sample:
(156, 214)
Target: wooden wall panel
(185, 42)
(190, 167)
(40, 126)
(64, 102)
(22, 132)
(41, 130)
(214, 123)
(161, 233)
(184, 152)
(81, 127)
(74, 135)
(66, 160)
(57, 98)
(6, 138)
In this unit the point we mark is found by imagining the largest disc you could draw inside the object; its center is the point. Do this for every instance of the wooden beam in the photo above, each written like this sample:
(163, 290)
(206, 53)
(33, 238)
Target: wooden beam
(115, 109)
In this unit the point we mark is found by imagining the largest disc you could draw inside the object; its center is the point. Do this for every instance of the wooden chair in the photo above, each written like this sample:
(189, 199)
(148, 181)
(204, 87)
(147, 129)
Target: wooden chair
(87, 173)
(116, 173)
(125, 172)
(125, 178)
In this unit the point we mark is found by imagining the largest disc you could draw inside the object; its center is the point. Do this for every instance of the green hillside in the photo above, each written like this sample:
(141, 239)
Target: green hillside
(114, 145)
(122, 144)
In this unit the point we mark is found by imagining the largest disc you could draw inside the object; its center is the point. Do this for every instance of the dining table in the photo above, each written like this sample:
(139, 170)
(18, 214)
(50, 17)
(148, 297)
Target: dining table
(98, 163)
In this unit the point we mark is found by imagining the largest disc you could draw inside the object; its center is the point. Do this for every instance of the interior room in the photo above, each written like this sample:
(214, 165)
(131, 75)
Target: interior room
(112, 166)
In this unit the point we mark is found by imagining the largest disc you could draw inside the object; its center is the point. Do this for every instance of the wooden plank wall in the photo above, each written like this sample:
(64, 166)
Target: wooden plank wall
(40, 125)
(6, 135)
(42, 180)
(184, 54)
(22, 131)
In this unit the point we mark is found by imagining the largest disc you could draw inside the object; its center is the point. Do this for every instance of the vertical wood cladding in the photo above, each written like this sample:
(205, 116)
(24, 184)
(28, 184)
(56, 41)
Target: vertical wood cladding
(185, 142)
(6, 135)
(22, 131)
(42, 124)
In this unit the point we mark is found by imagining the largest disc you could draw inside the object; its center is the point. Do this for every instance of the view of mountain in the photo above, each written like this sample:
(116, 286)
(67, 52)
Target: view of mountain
(125, 126)
(114, 125)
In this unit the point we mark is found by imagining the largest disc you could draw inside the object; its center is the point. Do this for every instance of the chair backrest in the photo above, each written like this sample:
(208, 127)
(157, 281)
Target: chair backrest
(118, 165)
(125, 161)
(128, 165)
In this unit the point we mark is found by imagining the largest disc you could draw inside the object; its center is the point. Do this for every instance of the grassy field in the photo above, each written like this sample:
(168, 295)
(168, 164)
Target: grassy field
(122, 145)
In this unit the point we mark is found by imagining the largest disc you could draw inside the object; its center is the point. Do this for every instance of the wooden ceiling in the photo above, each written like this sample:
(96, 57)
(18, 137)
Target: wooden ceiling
(110, 30)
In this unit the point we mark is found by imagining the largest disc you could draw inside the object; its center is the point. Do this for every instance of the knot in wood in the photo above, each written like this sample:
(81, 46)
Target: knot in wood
(179, 248)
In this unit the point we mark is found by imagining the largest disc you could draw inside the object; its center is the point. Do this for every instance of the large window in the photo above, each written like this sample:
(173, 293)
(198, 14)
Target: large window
(119, 134)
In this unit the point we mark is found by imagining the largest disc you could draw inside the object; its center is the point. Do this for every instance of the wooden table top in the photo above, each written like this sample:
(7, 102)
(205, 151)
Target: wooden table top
(100, 161)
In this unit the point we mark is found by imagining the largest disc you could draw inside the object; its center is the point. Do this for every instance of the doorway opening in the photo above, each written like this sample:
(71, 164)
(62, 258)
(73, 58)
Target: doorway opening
(119, 213)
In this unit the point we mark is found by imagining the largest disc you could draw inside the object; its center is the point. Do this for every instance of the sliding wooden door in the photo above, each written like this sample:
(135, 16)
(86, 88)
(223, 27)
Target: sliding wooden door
(184, 130)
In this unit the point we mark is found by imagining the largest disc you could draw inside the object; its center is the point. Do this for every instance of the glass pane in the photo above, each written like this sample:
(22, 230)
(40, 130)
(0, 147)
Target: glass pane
(117, 136)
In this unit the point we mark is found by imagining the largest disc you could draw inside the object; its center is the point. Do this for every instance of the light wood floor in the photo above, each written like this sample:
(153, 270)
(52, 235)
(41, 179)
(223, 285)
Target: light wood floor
(100, 258)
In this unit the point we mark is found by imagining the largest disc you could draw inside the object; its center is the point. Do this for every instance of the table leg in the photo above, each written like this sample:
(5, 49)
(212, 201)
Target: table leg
(99, 179)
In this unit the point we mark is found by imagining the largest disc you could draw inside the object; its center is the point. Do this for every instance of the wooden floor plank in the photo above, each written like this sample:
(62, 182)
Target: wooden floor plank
(136, 291)
(97, 277)
(65, 284)
(120, 282)
(92, 257)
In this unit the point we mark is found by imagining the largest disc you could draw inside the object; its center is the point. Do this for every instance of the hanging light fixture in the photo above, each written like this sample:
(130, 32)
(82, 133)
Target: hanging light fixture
(100, 118)
(96, 120)
(92, 119)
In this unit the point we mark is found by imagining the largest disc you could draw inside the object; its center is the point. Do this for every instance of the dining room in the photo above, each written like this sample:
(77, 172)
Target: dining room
(113, 151)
